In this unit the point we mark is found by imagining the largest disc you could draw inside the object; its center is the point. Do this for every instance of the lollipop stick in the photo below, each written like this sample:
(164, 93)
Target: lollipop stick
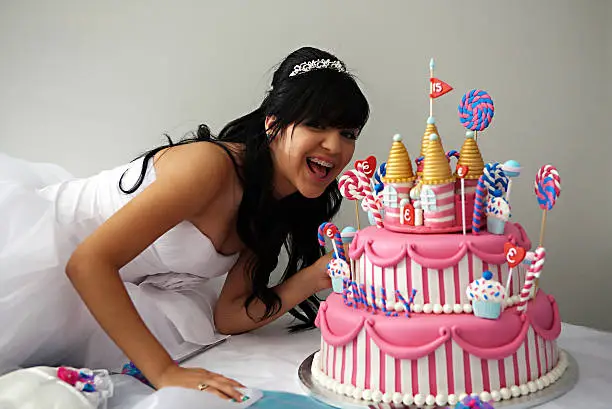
(357, 214)
(431, 74)
(542, 228)
(508, 190)
(509, 280)
(335, 249)
(463, 204)
(476, 136)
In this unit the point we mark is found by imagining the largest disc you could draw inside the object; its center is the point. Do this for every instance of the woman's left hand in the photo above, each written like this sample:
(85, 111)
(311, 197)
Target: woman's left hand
(323, 281)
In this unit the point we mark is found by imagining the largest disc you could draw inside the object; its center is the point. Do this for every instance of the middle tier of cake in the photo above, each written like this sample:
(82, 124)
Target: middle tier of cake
(439, 267)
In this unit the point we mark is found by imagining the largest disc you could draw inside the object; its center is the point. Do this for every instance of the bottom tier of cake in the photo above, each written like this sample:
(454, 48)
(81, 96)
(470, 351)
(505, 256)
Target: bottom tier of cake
(428, 359)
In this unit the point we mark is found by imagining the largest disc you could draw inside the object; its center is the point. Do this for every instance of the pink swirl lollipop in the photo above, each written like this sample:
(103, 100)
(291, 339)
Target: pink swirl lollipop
(547, 189)
(476, 110)
(351, 185)
(372, 202)
(547, 186)
(355, 185)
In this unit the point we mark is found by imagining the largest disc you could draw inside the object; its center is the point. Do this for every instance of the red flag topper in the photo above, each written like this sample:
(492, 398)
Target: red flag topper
(439, 88)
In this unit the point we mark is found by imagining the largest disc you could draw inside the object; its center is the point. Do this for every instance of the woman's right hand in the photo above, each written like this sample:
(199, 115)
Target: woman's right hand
(196, 378)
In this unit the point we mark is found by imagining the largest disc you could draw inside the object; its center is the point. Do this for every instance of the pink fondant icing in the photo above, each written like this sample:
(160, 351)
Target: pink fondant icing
(545, 325)
(405, 228)
(347, 328)
(402, 351)
(484, 367)
(502, 371)
(368, 360)
(537, 349)
(468, 371)
(491, 352)
(422, 334)
(385, 248)
(433, 218)
(450, 379)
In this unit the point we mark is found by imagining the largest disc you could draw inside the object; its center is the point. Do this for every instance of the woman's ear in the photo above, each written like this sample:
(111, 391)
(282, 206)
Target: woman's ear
(269, 122)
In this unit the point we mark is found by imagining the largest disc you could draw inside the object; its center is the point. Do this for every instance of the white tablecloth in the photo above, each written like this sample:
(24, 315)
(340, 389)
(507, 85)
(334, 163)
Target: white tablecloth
(268, 359)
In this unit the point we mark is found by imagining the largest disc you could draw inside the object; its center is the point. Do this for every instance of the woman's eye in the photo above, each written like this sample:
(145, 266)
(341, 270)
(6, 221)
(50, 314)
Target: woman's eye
(315, 125)
(349, 134)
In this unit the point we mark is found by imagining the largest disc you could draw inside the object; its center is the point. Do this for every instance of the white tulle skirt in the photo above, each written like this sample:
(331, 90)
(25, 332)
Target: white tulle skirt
(43, 321)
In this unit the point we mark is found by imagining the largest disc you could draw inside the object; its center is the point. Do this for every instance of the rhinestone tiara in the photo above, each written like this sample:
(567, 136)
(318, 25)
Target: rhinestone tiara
(312, 65)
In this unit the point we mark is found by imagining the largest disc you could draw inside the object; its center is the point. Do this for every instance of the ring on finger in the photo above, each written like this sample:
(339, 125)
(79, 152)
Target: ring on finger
(203, 386)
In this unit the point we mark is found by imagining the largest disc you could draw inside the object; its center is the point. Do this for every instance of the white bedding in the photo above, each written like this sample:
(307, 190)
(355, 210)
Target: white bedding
(268, 359)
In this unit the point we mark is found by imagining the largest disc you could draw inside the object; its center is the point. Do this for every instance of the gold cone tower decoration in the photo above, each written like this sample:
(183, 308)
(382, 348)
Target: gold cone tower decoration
(399, 166)
(436, 168)
(471, 157)
(430, 129)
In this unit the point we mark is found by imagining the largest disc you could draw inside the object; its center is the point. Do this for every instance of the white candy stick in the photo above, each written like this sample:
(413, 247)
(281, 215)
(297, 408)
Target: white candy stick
(509, 281)
(463, 204)
(335, 249)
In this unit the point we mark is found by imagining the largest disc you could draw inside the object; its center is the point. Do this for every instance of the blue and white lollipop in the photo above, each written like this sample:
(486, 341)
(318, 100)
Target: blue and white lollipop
(512, 169)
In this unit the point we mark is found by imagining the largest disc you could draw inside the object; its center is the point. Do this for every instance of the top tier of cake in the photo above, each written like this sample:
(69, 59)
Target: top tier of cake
(438, 197)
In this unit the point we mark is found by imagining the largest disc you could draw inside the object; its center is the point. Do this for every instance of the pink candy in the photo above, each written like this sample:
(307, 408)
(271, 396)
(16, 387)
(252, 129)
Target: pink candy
(355, 185)
(535, 269)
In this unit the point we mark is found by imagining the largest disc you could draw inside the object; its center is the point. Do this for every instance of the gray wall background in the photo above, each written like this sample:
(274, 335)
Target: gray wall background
(91, 84)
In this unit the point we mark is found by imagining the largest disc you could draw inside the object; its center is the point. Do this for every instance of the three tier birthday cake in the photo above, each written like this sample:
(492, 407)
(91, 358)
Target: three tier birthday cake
(438, 298)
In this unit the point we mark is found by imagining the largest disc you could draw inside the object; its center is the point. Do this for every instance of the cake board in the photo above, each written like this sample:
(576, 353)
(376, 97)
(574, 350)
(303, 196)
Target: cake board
(563, 385)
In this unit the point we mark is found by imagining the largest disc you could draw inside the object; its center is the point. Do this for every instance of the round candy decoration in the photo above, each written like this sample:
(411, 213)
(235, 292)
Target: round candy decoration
(547, 186)
(476, 110)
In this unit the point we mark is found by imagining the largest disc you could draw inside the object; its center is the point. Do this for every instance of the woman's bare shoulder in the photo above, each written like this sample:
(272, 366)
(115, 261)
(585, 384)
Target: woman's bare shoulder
(198, 162)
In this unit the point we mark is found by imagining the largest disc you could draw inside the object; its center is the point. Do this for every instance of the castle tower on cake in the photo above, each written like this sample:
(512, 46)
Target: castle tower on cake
(430, 129)
(471, 157)
(438, 187)
(399, 179)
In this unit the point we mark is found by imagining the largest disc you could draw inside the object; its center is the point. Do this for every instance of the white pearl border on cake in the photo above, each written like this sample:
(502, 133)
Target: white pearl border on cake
(439, 308)
(420, 400)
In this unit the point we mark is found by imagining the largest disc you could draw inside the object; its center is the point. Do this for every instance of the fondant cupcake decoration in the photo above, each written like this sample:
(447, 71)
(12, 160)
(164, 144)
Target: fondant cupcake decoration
(487, 296)
(498, 213)
(338, 270)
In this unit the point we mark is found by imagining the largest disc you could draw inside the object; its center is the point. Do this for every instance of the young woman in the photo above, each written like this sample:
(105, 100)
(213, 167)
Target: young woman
(101, 270)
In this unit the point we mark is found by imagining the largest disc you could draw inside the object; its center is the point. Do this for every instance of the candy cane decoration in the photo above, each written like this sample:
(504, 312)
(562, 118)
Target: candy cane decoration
(479, 205)
(452, 154)
(535, 269)
(495, 179)
(371, 201)
(330, 231)
(419, 163)
(381, 171)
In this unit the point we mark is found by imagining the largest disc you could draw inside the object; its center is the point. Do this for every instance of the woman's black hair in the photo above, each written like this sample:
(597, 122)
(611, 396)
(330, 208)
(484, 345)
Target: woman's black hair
(326, 96)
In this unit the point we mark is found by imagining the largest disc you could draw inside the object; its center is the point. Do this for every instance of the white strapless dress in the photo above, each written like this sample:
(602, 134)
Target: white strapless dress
(44, 214)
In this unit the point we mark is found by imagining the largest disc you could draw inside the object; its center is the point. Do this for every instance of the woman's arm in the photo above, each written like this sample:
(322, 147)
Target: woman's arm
(230, 314)
(188, 179)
